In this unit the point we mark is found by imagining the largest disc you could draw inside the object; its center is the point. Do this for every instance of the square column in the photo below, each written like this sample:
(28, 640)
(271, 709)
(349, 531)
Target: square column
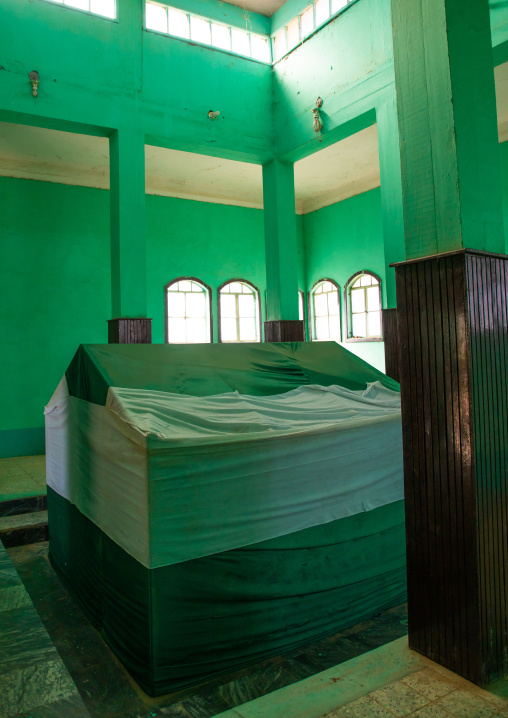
(281, 254)
(453, 324)
(128, 240)
(452, 313)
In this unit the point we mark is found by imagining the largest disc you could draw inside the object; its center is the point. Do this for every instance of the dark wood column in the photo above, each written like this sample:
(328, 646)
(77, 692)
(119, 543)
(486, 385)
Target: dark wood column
(392, 345)
(129, 331)
(285, 330)
(453, 326)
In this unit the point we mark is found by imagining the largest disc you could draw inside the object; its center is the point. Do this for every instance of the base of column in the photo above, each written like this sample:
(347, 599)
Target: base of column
(453, 332)
(129, 331)
(285, 330)
(391, 340)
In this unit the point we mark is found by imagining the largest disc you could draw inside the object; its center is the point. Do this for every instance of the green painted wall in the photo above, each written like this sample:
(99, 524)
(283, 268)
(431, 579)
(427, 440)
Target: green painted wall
(55, 279)
(340, 240)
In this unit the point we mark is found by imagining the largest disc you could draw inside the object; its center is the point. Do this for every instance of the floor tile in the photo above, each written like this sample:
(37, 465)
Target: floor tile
(23, 639)
(467, 704)
(14, 597)
(72, 707)
(432, 711)
(26, 688)
(363, 708)
(34, 518)
(399, 698)
(429, 683)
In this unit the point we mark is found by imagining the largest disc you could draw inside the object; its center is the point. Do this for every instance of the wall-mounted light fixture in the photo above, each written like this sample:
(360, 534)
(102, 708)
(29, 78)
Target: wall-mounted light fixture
(213, 115)
(34, 79)
(317, 123)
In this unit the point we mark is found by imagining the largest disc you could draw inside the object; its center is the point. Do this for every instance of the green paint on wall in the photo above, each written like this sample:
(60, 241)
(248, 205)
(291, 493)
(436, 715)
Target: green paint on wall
(343, 239)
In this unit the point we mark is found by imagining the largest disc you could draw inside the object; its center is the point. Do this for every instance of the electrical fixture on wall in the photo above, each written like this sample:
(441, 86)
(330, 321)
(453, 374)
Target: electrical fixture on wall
(34, 79)
(213, 115)
(317, 123)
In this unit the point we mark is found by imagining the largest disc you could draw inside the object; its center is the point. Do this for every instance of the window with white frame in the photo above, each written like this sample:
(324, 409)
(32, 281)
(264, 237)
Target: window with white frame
(239, 312)
(304, 24)
(325, 307)
(301, 305)
(104, 8)
(363, 296)
(185, 25)
(187, 312)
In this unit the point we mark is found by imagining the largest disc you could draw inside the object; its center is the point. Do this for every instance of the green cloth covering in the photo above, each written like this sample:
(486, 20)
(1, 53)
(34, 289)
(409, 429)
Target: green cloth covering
(208, 369)
(180, 625)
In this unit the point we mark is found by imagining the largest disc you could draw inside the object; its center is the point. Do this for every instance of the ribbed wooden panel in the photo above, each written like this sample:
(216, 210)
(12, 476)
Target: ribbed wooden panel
(285, 330)
(487, 280)
(391, 341)
(452, 313)
(129, 331)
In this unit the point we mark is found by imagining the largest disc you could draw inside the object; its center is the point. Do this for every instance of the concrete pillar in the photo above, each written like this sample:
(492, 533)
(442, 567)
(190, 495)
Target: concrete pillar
(128, 240)
(281, 254)
(452, 318)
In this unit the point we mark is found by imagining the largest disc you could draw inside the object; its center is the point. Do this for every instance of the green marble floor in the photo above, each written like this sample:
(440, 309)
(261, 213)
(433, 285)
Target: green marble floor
(107, 690)
(34, 681)
(22, 476)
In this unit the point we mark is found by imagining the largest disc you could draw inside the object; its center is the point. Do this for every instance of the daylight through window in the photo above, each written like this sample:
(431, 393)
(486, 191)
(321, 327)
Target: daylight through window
(364, 297)
(326, 311)
(187, 312)
(239, 313)
(178, 23)
(104, 8)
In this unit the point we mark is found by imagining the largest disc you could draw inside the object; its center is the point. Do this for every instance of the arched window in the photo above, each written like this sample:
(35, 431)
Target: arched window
(363, 297)
(301, 308)
(188, 310)
(325, 310)
(239, 312)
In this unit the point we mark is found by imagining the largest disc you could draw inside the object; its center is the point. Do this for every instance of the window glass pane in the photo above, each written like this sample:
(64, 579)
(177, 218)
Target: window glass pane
(333, 303)
(307, 22)
(338, 5)
(358, 282)
(357, 300)
(228, 330)
(221, 36)
(234, 287)
(196, 305)
(259, 48)
(373, 298)
(366, 280)
(240, 42)
(293, 33)
(185, 285)
(80, 4)
(174, 287)
(334, 329)
(246, 305)
(176, 305)
(227, 305)
(247, 330)
(156, 18)
(322, 330)
(301, 309)
(106, 8)
(374, 324)
(359, 325)
(178, 23)
(197, 331)
(176, 331)
(322, 11)
(320, 305)
(196, 287)
(327, 287)
(200, 30)
(279, 43)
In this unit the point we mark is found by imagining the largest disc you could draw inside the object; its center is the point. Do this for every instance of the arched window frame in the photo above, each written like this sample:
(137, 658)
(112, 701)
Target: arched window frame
(348, 308)
(302, 304)
(209, 298)
(258, 309)
(310, 309)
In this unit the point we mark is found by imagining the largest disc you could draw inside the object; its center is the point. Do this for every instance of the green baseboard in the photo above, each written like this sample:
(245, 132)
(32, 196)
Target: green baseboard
(22, 442)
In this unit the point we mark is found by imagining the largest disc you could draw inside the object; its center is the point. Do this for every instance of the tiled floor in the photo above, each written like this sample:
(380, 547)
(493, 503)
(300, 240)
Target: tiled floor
(106, 688)
(22, 476)
(33, 678)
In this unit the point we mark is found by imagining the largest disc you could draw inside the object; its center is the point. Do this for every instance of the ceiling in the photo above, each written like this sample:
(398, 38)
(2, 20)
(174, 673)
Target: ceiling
(342, 170)
(262, 7)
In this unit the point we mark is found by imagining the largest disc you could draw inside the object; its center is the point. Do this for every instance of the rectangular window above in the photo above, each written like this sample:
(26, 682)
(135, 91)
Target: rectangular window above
(103, 8)
(206, 31)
